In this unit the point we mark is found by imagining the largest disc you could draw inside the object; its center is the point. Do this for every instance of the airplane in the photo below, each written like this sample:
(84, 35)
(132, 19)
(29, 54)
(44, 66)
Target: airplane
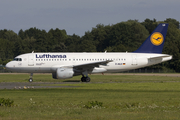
(66, 65)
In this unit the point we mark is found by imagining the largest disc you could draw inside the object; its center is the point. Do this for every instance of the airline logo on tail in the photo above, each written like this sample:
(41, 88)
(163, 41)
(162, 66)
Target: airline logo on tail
(157, 38)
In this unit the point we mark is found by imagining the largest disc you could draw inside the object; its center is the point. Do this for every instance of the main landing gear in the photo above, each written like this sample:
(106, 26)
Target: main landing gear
(85, 79)
(31, 78)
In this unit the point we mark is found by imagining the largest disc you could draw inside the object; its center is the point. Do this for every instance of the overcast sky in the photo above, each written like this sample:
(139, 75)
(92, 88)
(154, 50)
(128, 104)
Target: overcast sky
(79, 16)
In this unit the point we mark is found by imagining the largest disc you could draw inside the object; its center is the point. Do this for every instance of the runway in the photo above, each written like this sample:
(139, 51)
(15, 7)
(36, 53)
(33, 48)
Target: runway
(34, 85)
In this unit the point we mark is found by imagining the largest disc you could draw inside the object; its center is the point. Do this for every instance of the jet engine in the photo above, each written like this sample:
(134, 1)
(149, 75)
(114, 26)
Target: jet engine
(63, 73)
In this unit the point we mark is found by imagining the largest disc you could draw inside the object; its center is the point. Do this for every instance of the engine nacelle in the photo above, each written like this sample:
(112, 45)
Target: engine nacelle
(63, 73)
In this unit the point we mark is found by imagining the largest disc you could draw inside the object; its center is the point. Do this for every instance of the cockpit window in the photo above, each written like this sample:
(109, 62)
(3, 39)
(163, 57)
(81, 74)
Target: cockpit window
(17, 59)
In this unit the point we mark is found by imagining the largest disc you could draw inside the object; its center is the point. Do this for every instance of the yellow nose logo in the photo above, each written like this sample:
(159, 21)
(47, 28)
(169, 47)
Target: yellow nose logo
(157, 38)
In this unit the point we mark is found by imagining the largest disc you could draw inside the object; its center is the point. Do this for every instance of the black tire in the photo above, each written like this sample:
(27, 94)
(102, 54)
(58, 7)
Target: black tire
(30, 80)
(83, 79)
(88, 79)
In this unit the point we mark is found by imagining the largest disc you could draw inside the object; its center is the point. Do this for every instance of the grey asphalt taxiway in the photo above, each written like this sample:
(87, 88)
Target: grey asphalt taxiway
(34, 85)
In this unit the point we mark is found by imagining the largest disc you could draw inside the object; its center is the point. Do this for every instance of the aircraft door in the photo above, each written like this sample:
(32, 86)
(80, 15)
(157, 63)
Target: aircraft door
(134, 59)
(30, 60)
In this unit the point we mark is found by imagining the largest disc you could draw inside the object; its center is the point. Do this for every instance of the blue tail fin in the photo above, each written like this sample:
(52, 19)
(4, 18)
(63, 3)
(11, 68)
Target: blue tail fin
(155, 42)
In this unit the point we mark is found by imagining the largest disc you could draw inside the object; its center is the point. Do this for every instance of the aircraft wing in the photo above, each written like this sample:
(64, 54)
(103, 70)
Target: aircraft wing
(82, 67)
(90, 66)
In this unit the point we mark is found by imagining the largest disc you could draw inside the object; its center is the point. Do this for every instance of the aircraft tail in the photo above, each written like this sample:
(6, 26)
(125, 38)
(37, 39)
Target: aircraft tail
(155, 42)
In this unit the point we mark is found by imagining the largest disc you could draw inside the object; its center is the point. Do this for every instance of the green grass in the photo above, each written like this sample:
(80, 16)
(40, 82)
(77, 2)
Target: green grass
(94, 78)
(124, 97)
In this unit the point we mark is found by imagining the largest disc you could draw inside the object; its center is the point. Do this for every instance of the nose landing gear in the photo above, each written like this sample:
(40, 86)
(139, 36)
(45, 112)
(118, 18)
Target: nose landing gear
(31, 78)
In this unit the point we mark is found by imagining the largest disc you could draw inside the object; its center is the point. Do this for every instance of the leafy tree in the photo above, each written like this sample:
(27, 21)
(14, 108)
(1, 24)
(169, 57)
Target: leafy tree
(21, 34)
(59, 36)
(130, 34)
(18, 48)
(87, 46)
(100, 36)
(32, 32)
(72, 43)
(29, 44)
(6, 49)
(172, 46)
(150, 25)
(173, 21)
(60, 48)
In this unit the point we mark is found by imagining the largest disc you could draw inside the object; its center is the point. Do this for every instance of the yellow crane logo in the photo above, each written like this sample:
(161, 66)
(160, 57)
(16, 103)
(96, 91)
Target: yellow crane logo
(157, 38)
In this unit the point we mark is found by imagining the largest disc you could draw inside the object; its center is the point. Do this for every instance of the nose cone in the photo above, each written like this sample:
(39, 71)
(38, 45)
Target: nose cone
(9, 66)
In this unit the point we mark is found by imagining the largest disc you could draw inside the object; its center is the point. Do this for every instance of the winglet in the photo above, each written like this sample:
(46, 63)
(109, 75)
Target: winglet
(155, 42)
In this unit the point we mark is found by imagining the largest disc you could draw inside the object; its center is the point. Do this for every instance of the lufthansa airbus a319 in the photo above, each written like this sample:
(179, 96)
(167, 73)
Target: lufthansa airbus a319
(67, 65)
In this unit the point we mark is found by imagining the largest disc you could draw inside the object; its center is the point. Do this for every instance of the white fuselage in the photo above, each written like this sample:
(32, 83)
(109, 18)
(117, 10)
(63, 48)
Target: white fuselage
(49, 62)
(67, 65)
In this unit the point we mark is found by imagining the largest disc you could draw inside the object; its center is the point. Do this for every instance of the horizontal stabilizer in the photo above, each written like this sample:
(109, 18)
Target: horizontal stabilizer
(160, 57)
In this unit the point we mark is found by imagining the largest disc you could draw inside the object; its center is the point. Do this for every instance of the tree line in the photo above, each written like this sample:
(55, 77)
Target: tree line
(120, 37)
